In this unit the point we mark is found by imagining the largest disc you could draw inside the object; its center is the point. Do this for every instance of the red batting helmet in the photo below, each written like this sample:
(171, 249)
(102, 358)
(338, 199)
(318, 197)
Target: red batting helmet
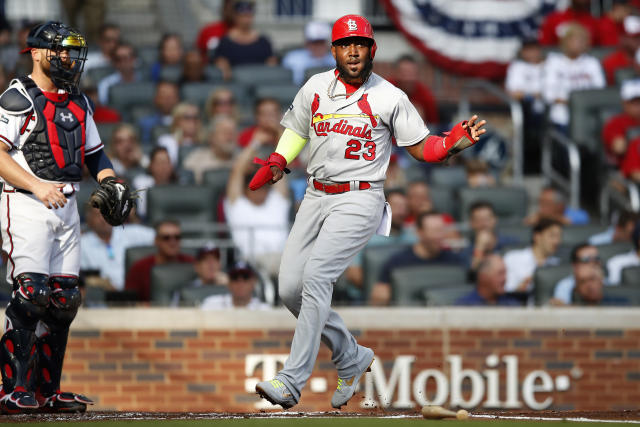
(353, 26)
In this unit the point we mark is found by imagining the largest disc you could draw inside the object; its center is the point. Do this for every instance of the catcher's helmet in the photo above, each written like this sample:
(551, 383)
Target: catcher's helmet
(353, 26)
(58, 37)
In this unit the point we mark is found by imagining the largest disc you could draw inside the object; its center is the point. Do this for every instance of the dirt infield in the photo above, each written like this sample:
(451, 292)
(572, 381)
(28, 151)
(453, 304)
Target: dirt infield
(622, 415)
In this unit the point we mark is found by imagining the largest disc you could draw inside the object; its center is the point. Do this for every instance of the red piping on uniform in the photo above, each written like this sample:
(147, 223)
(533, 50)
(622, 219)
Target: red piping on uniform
(49, 115)
(5, 139)
(13, 264)
(26, 122)
(80, 115)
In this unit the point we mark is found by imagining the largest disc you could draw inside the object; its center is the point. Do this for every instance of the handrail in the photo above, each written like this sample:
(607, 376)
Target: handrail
(634, 195)
(517, 118)
(571, 185)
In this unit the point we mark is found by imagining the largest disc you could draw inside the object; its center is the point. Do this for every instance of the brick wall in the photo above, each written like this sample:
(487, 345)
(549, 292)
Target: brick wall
(178, 360)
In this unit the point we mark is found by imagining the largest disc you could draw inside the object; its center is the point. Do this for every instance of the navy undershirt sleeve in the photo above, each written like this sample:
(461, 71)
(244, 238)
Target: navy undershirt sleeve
(96, 162)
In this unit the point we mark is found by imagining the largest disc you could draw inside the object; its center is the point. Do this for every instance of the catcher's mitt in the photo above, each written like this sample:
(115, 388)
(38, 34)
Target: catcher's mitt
(114, 200)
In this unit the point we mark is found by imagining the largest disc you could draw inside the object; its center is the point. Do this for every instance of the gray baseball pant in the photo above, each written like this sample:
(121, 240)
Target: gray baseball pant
(329, 230)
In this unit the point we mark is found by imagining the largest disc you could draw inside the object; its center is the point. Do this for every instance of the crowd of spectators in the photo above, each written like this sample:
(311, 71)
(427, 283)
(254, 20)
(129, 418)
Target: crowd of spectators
(181, 140)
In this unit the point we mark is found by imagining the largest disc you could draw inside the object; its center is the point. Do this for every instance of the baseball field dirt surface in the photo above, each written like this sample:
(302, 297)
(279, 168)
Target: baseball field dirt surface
(317, 419)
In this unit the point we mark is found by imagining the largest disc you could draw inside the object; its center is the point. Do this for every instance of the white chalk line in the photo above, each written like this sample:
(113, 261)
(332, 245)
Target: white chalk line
(577, 419)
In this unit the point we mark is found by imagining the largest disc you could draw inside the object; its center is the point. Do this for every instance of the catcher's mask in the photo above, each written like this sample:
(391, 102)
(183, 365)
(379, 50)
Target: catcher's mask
(66, 52)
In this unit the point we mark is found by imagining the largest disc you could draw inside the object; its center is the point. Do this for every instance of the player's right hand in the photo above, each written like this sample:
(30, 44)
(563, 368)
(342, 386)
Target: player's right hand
(277, 174)
(49, 194)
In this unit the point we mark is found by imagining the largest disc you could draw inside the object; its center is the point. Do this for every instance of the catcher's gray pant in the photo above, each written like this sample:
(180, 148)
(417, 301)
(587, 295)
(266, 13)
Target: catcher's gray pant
(329, 230)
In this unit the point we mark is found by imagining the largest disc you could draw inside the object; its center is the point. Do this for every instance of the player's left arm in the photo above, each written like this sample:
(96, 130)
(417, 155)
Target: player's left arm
(434, 149)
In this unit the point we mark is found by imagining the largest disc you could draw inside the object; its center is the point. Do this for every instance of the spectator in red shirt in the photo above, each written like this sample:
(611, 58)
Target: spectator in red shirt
(210, 35)
(631, 162)
(267, 130)
(167, 242)
(406, 76)
(627, 46)
(614, 133)
(554, 25)
(612, 23)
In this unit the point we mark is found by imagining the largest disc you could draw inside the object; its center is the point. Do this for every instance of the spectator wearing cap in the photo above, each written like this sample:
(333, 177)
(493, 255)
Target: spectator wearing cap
(315, 53)
(572, 69)
(242, 283)
(491, 278)
(623, 57)
(406, 76)
(616, 264)
(103, 247)
(555, 24)
(209, 271)
(168, 250)
(521, 263)
(614, 132)
(581, 254)
(243, 45)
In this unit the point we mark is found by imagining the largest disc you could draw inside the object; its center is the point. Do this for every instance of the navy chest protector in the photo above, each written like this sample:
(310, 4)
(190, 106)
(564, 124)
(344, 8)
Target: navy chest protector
(55, 148)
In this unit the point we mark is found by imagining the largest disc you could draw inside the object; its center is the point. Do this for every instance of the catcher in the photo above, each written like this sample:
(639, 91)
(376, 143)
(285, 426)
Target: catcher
(47, 134)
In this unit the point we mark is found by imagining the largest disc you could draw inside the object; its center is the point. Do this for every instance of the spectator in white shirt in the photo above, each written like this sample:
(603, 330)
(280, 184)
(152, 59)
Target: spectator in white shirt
(124, 59)
(525, 74)
(571, 70)
(315, 53)
(616, 264)
(103, 247)
(259, 220)
(242, 283)
(521, 263)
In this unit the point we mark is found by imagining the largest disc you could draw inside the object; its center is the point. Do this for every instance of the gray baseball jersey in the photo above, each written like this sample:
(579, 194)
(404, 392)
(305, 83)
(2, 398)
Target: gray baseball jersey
(351, 138)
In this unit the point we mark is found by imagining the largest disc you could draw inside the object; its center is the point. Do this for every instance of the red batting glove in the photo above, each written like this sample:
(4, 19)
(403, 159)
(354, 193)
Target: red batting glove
(264, 174)
(437, 149)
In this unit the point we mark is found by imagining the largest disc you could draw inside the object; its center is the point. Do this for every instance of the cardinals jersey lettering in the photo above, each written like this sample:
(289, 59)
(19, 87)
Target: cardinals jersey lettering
(350, 138)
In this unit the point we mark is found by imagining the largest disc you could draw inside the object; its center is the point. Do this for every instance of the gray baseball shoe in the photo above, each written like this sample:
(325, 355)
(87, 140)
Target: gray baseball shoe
(347, 386)
(277, 393)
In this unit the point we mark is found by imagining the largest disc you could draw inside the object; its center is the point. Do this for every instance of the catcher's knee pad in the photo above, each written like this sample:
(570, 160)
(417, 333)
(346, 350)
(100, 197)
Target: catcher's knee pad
(65, 299)
(29, 300)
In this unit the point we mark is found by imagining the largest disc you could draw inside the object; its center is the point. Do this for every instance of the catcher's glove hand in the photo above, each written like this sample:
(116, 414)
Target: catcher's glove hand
(114, 200)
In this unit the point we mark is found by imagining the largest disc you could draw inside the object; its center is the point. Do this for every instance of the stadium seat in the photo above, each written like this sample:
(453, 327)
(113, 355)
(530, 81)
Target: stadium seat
(448, 177)
(171, 73)
(510, 203)
(148, 54)
(98, 73)
(282, 92)
(373, 258)
(623, 74)
(105, 130)
(124, 96)
(444, 201)
(216, 179)
(612, 249)
(190, 297)
(517, 231)
(545, 280)
(585, 107)
(408, 283)
(259, 74)
(135, 254)
(446, 295)
(575, 234)
(166, 279)
(213, 74)
(198, 93)
(315, 70)
(631, 276)
(87, 187)
(181, 202)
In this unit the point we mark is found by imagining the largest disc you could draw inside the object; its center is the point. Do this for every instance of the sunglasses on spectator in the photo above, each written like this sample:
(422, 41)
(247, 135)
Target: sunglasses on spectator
(167, 237)
(587, 259)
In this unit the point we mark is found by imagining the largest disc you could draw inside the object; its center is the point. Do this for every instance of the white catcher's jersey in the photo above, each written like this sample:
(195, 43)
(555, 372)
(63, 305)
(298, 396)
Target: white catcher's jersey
(350, 139)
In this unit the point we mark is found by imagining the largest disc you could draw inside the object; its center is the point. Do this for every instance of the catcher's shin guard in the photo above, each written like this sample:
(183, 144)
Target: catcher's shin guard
(18, 344)
(52, 343)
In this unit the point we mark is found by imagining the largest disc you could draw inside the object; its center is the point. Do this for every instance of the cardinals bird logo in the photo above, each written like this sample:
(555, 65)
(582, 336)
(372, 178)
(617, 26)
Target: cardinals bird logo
(364, 106)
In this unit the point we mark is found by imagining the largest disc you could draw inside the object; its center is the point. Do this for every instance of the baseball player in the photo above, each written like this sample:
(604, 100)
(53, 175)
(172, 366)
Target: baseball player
(47, 134)
(348, 116)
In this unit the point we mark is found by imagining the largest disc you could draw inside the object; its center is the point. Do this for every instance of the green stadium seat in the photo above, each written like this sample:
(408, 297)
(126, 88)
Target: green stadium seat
(213, 74)
(631, 276)
(171, 73)
(191, 297)
(135, 254)
(518, 231)
(216, 179)
(185, 203)
(282, 92)
(315, 70)
(448, 177)
(408, 283)
(166, 279)
(444, 201)
(259, 74)
(585, 107)
(446, 295)
(612, 249)
(545, 280)
(198, 92)
(509, 203)
(105, 130)
(125, 96)
(373, 258)
(575, 234)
